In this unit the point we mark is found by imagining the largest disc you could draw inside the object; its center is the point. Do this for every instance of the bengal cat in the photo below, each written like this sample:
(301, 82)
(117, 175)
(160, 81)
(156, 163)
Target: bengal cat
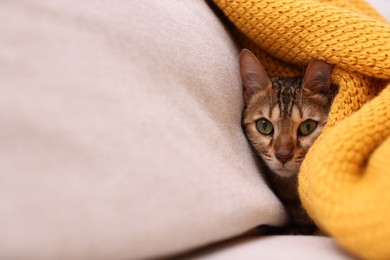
(282, 118)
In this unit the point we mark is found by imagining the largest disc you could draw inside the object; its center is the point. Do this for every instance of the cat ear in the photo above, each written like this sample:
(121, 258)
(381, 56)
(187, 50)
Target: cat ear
(317, 79)
(253, 76)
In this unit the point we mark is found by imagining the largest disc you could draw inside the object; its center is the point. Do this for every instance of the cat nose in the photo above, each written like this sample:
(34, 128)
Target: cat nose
(283, 155)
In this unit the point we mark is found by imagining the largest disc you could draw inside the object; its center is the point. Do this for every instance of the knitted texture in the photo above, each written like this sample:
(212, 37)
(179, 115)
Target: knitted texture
(344, 182)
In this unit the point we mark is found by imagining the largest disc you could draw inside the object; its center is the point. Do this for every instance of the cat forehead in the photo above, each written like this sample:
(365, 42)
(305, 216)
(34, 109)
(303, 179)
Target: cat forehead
(297, 113)
(288, 96)
(289, 83)
(275, 108)
(285, 98)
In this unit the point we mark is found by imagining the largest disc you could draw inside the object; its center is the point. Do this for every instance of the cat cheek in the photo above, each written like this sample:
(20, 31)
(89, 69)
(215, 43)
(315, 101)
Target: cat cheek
(268, 142)
(305, 143)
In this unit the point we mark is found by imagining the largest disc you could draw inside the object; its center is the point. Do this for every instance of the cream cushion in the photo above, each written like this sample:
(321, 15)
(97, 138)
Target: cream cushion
(120, 131)
(274, 248)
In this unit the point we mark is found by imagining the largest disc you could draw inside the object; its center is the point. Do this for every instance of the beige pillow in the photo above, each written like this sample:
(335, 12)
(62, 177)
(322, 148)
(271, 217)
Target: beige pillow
(120, 131)
(275, 248)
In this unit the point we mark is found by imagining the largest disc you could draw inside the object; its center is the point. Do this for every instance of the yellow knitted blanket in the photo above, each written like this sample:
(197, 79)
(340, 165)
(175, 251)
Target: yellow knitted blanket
(344, 181)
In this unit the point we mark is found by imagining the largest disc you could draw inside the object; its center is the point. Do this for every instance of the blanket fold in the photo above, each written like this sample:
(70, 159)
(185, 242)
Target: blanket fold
(344, 182)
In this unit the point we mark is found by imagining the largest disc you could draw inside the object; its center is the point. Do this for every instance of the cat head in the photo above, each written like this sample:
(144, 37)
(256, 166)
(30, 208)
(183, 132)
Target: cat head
(284, 116)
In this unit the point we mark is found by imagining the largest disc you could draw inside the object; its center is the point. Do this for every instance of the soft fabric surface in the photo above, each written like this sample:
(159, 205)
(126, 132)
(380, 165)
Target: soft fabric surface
(275, 248)
(120, 131)
(344, 181)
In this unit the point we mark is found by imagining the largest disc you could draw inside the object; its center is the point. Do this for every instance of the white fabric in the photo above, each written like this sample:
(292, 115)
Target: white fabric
(276, 248)
(120, 131)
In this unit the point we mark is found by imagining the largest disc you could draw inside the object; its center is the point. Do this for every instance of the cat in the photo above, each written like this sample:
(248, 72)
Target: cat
(282, 118)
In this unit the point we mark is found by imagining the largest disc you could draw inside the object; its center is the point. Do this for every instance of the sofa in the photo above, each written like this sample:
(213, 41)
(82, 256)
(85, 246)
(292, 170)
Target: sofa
(121, 137)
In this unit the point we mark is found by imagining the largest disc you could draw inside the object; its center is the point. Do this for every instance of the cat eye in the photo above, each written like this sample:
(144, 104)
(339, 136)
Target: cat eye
(307, 127)
(264, 126)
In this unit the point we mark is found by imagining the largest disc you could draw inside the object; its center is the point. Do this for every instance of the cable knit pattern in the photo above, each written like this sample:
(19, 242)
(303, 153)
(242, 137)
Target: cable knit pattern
(344, 181)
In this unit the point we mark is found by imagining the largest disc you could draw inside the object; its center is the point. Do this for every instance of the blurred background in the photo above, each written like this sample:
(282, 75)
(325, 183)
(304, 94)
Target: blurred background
(383, 6)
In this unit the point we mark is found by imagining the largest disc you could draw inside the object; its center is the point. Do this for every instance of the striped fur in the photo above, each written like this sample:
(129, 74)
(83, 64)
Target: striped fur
(286, 107)
(286, 103)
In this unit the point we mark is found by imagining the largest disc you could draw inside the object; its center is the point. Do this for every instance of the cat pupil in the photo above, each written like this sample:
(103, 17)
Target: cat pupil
(265, 125)
(308, 127)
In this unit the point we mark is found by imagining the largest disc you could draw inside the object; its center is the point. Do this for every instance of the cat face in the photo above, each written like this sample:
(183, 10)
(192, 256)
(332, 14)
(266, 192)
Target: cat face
(284, 116)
